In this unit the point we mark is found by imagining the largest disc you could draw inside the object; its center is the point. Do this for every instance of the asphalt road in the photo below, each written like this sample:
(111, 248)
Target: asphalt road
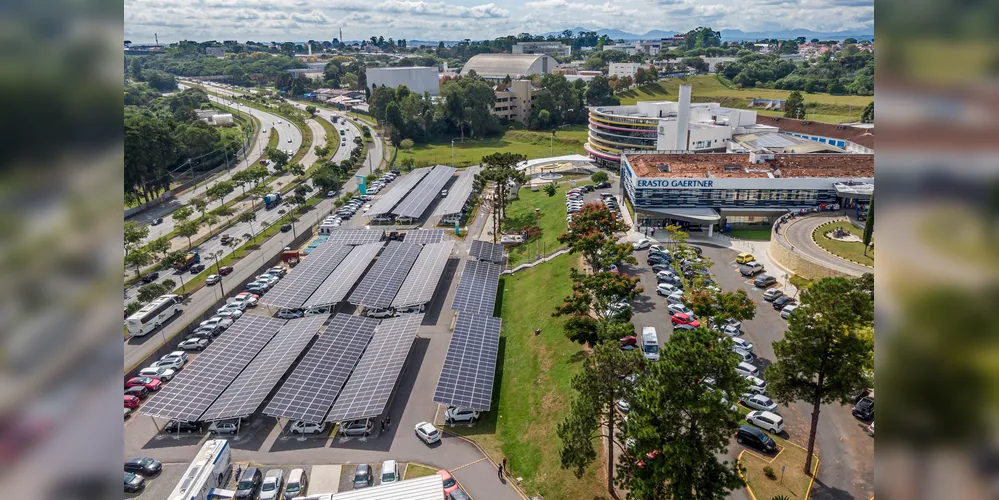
(798, 232)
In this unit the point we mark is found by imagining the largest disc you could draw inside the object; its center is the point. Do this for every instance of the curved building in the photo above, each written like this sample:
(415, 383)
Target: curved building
(617, 128)
(499, 66)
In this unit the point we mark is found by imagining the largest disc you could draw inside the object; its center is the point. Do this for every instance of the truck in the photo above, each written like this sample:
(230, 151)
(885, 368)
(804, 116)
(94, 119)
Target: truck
(290, 257)
(190, 259)
(208, 474)
(272, 200)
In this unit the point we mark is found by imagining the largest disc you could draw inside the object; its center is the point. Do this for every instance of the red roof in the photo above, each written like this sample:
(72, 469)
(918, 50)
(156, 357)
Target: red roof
(861, 136)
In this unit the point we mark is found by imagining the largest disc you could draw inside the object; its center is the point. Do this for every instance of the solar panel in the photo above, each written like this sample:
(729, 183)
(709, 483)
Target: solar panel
(293, 290)
(422, 280)
(316, 382)
(484, 250)
(248, 391)
(470, 365)
(390, 199)
(382, 282)
(198, 385)
(424, 236)
(425, 192)
(367, 392)
(354, 236)
(459, 192)
(476, 291)
(342, 279)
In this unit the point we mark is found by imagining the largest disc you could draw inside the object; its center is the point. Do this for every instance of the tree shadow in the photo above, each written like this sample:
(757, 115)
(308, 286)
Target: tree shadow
(823, 491)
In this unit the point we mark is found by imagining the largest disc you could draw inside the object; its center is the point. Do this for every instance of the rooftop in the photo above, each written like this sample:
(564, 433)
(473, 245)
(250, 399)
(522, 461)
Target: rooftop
(738, 165)
(863, 136)
(504, 64)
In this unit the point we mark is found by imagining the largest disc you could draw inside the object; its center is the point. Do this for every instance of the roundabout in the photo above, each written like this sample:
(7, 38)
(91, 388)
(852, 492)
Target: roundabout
(796, 246)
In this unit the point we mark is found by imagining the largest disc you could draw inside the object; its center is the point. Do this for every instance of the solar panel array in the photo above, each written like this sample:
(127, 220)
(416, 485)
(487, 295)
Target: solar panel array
(389, 200)
(470, 365)
(342, 279)
(476, 291)
(198, 385)
(459, 192)
(354, 236)
(369, 388)
(382, 282)
(252, 386)
(317, 380)
(424, 236)
(293, 290)
(422, 280)
(484, 250)
(425, 192)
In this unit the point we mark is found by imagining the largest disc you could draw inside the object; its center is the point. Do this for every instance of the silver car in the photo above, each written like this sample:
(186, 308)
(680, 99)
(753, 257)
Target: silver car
(270, 489)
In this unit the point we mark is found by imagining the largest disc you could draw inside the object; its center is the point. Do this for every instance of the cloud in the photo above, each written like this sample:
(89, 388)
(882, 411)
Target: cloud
(314, 17)
(441, 9)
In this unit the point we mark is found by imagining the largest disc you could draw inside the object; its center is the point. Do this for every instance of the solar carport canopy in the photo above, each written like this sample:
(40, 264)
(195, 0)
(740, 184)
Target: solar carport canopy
(198, 386)
(424, 236)
(484, 250)
(470, 365)
(476, 292)
(248, 391)
(342, 279)
(295, 288)
(425, 192)
(422, 280)
(382, 282)
(369, 388)
(459, 192)
(396, 193)
(354, 236)
(317, 380)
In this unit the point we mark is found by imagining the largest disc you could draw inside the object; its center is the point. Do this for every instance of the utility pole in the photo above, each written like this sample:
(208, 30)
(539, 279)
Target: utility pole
(452, 153)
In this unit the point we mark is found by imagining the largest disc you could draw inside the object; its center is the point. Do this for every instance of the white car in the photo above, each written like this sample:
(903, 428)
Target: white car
(457, 414)
(427, 432)
(766, 420)
(758, 402)
(680, 308)
(745, 369)
(232, 312)
(788, 309)
(623, 406)
(743, 344)
(772, 293)
(665, 274)
(249, 298)
(270, 488)
(641, 244)
(213, 279)
(675, 297)
(278, 270)
(366, 207)
(215, 322)
(745, 356)
(390, 471)
(175, 360)
(194, 344)
(289, 314)
(160, 372)
(667, 289)
(308, 427)
(756, 384)
(379, 312)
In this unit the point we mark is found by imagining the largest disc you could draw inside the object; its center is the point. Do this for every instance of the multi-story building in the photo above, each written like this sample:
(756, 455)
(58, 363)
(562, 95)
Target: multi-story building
(554, 49)
(514, 103)
(852, 137)
(622, 70)
(418, 79)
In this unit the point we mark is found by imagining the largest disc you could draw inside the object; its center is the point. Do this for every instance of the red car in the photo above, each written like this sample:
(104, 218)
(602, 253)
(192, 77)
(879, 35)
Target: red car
(153, 384)
(225, 270)
(450, 485)
(629, 340)
(684, 319)
(131, 402)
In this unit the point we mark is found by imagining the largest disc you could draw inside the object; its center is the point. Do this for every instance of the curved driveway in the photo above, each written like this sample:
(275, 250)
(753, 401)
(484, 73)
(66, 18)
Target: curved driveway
(798, 232)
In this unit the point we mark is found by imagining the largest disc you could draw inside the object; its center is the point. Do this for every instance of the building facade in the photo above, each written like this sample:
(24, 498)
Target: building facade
(701, 190)
(622, 70)
(553, 49)
(417, 79)
(496, 67)
(514, 103)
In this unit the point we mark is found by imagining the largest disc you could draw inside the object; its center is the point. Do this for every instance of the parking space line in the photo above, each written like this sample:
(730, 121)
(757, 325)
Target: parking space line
(466, 465)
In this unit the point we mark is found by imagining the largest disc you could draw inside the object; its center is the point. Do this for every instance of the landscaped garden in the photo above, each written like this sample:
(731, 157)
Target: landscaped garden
(849, 250)
(531, 144)
(767, 481)
(520, 215)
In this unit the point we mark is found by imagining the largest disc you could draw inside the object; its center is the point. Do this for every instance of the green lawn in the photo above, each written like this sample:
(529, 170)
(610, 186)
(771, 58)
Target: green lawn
(532, 392)
(799, 282)
(795, 483)
(528, 143)
(755, 234)
(520, 215)
(847, 249)
(414, 471)
(708, 88)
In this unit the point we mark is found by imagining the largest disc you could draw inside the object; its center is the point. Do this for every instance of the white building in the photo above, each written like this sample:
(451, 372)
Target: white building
(500, 66)
(417, 79)
(554, 49)
(624, 69)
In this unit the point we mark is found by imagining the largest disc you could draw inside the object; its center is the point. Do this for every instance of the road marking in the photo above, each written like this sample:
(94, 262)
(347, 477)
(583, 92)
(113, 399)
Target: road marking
(466, 465)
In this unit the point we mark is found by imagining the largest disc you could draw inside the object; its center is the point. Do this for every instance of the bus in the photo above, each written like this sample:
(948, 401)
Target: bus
(210, 470)
(152, 315)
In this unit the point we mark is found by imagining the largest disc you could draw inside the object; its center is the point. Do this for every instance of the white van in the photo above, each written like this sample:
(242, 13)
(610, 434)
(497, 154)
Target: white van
(650, 343)
(744, 369)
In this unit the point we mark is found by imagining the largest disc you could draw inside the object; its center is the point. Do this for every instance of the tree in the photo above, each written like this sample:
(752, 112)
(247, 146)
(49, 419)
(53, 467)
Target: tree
(159, 246)
(187, 229)
(151, 291)
(296, 169)
(824, 356)
(248, 217)
(134, 234)
(869, 226)
(721, 307)
(868, 115)
(406, 144)
(794, 106)
(139, 258)
(551, 188)
(599, 176)
(200, 204)
(602, 382)
(591, 297)
(311, 110)
(278, 158)
(600, 93)
(220, 190)
(211, 220)
(500, 169)
(592, 234)
(679, 424)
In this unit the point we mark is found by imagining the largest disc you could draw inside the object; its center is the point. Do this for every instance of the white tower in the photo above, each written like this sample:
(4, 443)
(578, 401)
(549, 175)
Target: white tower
(682, 118)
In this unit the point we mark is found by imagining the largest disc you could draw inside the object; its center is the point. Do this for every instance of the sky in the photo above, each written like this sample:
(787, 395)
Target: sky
(300, 20)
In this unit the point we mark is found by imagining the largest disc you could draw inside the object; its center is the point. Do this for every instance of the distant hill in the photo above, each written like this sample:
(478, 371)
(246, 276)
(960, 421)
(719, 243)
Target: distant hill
(732, 35)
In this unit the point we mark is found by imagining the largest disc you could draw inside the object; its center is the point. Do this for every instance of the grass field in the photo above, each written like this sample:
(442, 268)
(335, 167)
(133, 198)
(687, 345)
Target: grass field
(847, 249)
(708, 88)
(414, 471)
(532, 391)
(795, 483)
(754, 234)
(531, 144)
(520, 215)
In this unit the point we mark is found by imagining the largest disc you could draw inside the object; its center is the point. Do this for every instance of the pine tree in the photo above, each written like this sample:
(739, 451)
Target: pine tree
(794, 106)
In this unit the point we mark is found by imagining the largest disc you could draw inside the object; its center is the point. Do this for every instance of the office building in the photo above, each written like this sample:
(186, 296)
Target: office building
(514, 102)
(554, 49)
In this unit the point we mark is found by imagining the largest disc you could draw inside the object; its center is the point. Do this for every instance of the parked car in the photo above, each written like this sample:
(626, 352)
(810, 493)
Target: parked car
(279, 270)
(665, 289)
(864, 409)
(744, 369)
(786, 312)
(427, 433)
(298, 484)
(449, 483)
(655, 259)
(362, 476)
(602, 185)
(641, 244)
(134, 483)
(758, 402)
(249, 484)
(270, 488)
(662, 266)
(458, 414)
(771, 294)
(230, 426)
(782, 301)
(308, 427)
(766, 420)
(175, 360)
(756, 384)
(744, 356)
(744, 258)
(143, 465)
(357, 428)
(215, 322)
(149, 383)
(290, 313)
(684, 319)
(764, 281)
(176, 427)
(742, 344)
(138, 391)
(751, 269)
(379, 312)
(162, 373)
(751, 436)
(458, 495)
(194, 344)
(131, 401)
(390, 471)
(630, 340)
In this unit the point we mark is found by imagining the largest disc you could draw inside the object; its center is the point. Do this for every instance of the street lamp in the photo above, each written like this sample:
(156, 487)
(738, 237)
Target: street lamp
(452, 153)
(218, 270)
(537, 222)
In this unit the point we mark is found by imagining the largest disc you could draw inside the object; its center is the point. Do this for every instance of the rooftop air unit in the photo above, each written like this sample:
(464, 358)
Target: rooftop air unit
(732, 168)
(663, 167)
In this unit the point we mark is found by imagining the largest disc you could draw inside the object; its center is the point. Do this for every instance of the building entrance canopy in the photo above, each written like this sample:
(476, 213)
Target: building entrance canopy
(696, 215)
